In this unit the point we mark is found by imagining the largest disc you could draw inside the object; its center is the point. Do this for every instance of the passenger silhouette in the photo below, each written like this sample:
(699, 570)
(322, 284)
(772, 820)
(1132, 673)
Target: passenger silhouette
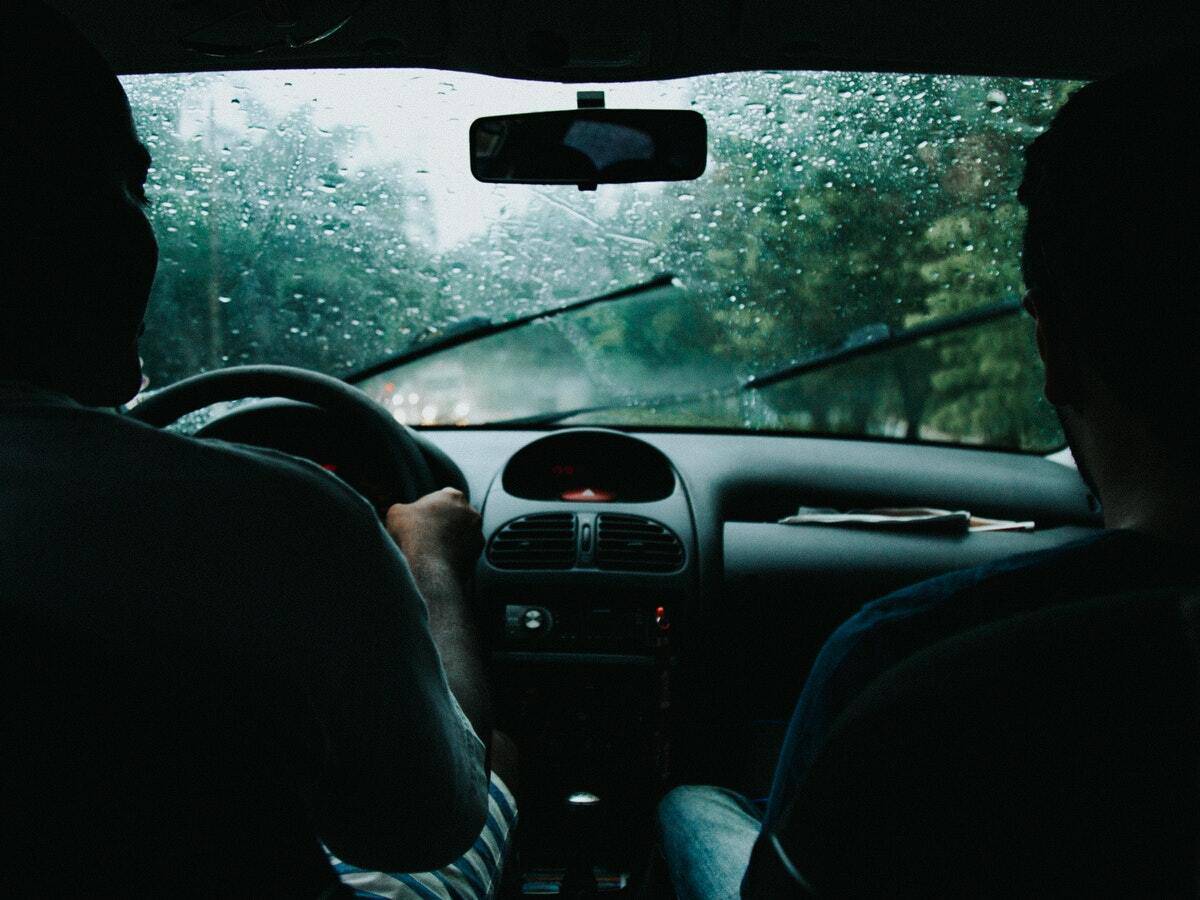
(1109, 255)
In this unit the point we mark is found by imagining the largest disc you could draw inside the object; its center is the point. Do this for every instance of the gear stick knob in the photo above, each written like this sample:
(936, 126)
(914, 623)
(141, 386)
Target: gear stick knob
(582, 833)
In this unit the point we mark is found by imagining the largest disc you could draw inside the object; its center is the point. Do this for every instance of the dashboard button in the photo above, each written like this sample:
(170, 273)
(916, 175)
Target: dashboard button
(523, 623)
(536, 620)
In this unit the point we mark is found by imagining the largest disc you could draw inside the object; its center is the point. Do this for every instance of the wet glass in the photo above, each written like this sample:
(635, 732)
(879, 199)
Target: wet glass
(328, 219)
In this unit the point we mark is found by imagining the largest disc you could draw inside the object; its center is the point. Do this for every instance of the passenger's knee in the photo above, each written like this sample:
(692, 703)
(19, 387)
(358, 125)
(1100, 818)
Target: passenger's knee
(673, 808)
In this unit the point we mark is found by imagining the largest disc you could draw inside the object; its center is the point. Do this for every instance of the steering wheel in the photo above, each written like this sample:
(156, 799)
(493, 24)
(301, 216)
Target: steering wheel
(407, 473)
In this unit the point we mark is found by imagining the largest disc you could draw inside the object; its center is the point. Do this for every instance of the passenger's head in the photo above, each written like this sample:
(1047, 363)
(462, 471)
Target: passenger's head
(1111, 251)
(78, 253)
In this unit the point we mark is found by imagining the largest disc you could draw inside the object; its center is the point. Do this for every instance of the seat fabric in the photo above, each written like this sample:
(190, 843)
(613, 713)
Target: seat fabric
(1051, 753)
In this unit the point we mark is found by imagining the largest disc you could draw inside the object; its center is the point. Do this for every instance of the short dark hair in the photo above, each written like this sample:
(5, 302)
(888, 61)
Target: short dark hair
(78, 254)
(65, 108)
(1111, 238)
(60, 95)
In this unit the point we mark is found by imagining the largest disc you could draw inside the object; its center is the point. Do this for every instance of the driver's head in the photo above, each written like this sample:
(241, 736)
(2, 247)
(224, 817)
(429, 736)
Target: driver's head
(79, 255)
(1111, 251)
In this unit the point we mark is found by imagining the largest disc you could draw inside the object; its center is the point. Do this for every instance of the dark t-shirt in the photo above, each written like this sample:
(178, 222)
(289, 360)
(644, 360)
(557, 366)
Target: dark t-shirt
(179, 613)
(886, 631)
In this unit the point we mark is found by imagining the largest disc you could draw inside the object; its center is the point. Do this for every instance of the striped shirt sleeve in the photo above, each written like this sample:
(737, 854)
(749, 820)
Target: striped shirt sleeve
(475, 875)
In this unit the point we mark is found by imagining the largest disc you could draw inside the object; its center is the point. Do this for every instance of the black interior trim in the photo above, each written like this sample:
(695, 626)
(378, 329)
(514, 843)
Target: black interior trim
(629, 40)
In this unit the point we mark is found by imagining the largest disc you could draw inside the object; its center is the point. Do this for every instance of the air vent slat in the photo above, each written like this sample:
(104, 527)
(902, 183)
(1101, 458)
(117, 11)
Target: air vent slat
(545, 541)
(518, 554)
(534, 545)
(634, 544)
(638, 553)
(640, 546)
(538, 536)
(638, 538)
(563, 535)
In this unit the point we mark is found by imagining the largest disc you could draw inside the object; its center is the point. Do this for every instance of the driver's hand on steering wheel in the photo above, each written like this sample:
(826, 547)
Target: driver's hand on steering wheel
(439, 531)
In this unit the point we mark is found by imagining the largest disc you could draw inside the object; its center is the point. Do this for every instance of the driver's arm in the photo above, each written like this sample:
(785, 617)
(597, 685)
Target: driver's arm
(441, 539)
(405, 785)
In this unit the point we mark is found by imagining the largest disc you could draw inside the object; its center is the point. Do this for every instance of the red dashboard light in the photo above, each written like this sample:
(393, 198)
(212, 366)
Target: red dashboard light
(587, 495)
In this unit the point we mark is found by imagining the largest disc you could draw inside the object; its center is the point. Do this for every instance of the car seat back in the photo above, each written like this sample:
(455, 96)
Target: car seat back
(1051, 753)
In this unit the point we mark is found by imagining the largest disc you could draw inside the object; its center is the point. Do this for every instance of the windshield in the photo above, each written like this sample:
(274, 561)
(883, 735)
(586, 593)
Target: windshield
(329, 220)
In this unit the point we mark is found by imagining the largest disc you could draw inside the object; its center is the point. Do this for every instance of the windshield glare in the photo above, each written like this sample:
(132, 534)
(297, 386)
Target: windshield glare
(328, 220)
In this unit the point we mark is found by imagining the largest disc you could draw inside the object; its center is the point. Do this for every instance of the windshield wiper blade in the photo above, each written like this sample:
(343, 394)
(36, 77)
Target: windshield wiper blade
(871, 340)
(456, 338)
(878, 341)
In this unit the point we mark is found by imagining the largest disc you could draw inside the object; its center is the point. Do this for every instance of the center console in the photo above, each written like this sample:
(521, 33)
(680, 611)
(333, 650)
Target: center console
(586, 581)
(590, 547)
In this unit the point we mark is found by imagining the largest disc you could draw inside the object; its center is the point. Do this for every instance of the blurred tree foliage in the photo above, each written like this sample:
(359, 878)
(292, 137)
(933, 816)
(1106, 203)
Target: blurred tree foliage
(834, 205)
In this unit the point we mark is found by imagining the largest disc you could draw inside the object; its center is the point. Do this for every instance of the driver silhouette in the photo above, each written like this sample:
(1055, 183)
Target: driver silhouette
(221, 665)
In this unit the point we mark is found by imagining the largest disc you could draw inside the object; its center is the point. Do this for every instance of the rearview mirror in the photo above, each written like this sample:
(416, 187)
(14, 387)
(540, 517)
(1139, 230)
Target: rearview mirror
(587, 147)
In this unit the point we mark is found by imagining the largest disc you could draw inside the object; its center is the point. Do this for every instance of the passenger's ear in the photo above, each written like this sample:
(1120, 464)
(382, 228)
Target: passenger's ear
(1058, 352)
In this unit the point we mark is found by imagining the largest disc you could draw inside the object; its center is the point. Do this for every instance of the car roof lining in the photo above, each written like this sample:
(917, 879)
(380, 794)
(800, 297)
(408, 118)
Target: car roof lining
(629, 40)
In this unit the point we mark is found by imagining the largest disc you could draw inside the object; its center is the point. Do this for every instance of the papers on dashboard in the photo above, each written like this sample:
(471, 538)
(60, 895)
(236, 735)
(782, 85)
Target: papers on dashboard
(921, 519)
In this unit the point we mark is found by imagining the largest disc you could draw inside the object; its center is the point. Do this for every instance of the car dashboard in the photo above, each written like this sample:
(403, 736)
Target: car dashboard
(649, 620)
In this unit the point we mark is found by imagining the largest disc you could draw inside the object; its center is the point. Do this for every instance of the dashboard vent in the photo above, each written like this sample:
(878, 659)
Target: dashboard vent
(634, 544)
(545, 541)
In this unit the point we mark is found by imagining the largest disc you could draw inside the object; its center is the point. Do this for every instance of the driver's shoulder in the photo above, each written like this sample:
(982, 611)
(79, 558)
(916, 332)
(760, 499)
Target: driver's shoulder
(292, 473)
(237, 475)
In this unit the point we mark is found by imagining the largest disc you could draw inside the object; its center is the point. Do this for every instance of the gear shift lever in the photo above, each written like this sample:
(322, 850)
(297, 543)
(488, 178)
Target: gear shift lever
(582, 821)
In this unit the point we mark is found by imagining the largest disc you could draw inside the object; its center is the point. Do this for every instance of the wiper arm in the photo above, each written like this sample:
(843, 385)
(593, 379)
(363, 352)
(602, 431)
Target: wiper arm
(872, 342)
(488, 328)
(887, 340)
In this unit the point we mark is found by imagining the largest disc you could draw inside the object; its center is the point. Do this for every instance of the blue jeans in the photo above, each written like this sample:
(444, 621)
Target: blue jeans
(707, 834)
